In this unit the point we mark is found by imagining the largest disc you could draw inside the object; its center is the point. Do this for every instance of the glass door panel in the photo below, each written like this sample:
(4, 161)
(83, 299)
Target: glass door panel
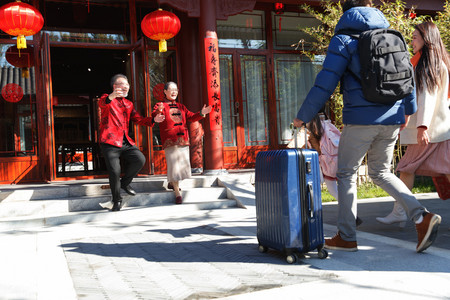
(244, 97)
(294, 76)
(255, 100)
(229, 106)
(161, 68)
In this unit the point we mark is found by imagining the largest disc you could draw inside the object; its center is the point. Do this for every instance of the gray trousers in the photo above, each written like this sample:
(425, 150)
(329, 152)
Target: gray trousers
(378, 141)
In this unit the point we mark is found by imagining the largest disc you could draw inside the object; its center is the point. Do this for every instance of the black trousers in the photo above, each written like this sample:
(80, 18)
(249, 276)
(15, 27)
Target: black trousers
(133, 161)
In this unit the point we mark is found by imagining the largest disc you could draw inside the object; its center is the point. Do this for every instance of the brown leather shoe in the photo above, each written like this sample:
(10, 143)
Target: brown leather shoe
(427, 231)
(178, 200)
(337, 243)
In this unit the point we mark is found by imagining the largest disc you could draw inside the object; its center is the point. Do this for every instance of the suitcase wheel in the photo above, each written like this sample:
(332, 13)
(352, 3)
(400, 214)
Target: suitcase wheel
(322, 253)
(262, 249)
(292, 258)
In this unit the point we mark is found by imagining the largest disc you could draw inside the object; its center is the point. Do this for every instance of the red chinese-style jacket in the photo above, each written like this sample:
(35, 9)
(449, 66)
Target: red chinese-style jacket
(115, 120)
(173, 129)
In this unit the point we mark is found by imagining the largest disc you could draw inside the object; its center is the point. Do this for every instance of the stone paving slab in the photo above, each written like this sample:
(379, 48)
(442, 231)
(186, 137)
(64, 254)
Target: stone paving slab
(198, 262)
(156, 253)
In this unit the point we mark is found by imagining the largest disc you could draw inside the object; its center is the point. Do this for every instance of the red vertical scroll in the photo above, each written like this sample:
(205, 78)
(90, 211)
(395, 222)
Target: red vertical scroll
(213, 80)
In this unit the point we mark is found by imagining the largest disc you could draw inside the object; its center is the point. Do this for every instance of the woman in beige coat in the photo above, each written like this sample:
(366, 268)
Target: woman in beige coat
(427, 132)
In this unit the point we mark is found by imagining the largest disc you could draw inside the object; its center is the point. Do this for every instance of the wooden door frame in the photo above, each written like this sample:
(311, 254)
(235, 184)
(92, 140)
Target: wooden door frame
(241, 149)
(141, 46)
(46, 143)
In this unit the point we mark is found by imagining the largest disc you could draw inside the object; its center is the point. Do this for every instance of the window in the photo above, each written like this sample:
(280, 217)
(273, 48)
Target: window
(294, 77)
(287, 27)
(87, 22)
(246, 30)
(17, 102)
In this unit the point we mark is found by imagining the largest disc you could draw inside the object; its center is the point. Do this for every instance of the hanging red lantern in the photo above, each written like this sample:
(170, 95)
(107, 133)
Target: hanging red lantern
(279, 8)
(161, 25)
(23, 59)
(20, 19)
(12, 92)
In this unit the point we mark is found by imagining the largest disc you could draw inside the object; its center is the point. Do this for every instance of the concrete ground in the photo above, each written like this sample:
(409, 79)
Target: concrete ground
(173, 252)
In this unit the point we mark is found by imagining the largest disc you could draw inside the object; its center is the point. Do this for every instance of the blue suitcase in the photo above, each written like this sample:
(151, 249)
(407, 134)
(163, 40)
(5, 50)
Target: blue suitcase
(289, 202)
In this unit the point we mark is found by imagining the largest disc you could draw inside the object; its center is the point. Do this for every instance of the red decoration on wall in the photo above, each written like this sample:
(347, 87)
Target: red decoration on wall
(161, 25)
(213, 79)
(20, 19)
(21, 59)
(158, 92)
(12, 92)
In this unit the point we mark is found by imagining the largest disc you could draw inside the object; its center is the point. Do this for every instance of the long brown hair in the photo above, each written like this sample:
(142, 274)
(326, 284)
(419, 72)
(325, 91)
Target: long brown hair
(429, 70)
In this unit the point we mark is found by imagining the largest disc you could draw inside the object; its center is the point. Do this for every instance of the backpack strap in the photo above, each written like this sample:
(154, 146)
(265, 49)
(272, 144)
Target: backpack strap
(354, 34)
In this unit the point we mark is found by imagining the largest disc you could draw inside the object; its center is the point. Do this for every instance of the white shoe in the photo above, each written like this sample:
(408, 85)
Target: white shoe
(397, 215)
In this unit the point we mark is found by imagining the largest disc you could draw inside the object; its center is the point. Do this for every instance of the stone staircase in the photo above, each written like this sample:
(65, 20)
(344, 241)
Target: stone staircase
(57, 203)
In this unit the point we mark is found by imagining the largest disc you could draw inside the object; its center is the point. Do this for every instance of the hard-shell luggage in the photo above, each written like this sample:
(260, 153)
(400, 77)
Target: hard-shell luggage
(288, 202)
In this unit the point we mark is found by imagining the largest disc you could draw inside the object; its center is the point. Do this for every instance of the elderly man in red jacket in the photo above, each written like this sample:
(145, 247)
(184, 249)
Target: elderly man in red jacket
(116, 114)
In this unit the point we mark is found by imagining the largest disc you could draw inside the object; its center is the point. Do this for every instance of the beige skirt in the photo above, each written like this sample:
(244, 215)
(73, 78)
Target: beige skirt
(178, 164)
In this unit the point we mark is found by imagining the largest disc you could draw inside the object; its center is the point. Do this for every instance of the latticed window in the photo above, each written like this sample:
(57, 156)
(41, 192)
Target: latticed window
(17, 102)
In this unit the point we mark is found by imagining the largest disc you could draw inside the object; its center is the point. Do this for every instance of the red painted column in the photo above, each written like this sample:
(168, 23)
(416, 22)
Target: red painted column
(211, 86)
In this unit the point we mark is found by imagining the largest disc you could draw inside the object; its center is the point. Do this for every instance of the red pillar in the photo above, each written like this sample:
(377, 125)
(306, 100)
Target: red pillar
(211, 86)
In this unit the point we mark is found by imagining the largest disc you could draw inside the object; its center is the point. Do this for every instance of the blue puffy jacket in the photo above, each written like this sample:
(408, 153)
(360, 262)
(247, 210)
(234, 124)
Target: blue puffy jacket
(342, 56)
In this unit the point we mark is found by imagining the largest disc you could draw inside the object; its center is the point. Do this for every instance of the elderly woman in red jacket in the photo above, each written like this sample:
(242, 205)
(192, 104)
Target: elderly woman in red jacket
(175, 135)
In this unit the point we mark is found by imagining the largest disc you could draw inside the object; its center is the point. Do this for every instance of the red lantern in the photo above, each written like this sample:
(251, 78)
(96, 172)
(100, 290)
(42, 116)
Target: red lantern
(12, 92)
(24, 59)
(161, 25)
(279, 8)
(20, 19)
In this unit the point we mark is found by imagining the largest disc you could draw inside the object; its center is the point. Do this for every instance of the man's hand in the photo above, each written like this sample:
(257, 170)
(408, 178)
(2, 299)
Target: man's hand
(117, 93)
(298, 122)
(159, 118)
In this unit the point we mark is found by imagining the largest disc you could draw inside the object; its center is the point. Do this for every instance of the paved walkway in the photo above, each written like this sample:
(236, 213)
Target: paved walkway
(168, 253)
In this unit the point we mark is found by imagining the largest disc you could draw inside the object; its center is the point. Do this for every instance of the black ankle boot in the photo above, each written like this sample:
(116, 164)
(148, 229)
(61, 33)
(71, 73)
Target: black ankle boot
(117, 206)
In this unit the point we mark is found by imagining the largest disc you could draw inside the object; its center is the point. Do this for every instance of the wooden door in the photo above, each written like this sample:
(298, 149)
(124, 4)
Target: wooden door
(245, 97)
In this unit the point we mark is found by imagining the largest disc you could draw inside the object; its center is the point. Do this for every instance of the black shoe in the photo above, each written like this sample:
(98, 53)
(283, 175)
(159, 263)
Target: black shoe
(129, 190)
(117, 206)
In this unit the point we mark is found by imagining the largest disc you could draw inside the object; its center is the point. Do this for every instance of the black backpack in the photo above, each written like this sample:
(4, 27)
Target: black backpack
(386, 71)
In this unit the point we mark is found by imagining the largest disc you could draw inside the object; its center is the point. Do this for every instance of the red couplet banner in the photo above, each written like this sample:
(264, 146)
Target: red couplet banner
(213, 79)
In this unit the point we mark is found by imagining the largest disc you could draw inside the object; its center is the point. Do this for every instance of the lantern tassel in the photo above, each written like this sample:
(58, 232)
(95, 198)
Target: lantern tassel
(21, 42)
(162, 46)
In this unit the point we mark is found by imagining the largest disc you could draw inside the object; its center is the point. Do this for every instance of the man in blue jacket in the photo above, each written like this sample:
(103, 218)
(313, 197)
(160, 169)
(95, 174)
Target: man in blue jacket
(370, 128)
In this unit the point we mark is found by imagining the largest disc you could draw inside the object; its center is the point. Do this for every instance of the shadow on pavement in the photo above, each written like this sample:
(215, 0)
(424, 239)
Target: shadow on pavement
(208, 244)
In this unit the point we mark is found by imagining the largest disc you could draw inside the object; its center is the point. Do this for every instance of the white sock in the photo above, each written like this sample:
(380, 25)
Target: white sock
(419, 220)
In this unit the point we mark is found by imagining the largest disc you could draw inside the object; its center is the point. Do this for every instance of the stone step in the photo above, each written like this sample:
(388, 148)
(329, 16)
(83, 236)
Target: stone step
(37, 205)
(92, 203)
(49, 218)
(59, 190)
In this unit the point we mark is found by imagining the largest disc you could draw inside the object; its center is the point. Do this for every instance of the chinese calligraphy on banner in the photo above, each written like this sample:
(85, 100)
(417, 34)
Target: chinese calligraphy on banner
(213, 80)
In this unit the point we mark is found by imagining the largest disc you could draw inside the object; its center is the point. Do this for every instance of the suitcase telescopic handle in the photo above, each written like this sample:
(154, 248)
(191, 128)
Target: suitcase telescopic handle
(295, 136)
